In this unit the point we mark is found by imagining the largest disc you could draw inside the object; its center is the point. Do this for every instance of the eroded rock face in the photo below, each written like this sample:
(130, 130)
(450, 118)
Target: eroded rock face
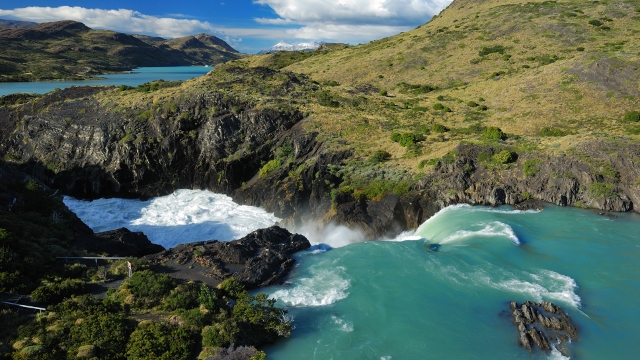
(261, 258)
(541, 324)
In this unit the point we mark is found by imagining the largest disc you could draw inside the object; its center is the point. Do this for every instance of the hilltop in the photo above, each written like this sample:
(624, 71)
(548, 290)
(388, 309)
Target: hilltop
(491, 102)
(71, 50)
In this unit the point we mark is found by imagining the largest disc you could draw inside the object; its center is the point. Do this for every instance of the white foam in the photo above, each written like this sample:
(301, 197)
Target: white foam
(547, 285)
(494, 228)
(324, 287)
(343, 325)
(557, 355)
(182, 217)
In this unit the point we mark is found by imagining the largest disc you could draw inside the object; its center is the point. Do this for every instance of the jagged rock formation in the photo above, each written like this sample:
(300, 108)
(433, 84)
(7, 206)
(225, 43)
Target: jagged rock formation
(542, 324)
(119, 242)
(261, 258)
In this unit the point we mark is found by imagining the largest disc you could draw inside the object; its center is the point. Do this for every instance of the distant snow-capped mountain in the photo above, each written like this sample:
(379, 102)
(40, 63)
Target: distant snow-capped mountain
(283, 46)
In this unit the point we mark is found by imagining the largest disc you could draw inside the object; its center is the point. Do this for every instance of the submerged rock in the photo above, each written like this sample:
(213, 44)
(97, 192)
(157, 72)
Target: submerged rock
(261, 258)
(542, 324)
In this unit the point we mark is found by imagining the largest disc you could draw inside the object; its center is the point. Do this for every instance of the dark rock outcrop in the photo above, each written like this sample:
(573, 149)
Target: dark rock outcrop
(120, 242)
(540, 324)
(261, 258)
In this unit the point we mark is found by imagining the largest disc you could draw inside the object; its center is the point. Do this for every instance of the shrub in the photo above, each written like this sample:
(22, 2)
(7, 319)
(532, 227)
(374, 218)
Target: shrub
(269, 167)
(405, 139)
(601, 190)
(505, 157)
(384, 92)
(450, 158)
(107, 332)
(483, 108)
(632, 116)
(498, 49)
(547, 131)
(595, 22)
(325, 99)
(208, 298)
(439, 128)
(438, 106)
(379, 156)
(54, 293)
(155, 341)
(232, 287)
(472, 104)
(530, 167)
(185, 296)
(493, 133)
(331, 83)
(415, 89)
(220, 334)
(149, 288)
(580, 48)
(446, 109)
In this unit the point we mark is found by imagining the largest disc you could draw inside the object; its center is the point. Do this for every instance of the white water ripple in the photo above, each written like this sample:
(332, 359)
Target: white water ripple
(494, 228)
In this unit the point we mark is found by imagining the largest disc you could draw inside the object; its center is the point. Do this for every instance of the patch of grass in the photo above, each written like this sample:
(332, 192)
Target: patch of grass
(602, 190)
(415, 89)
(269, 167)
(530, 167)
(405, 139)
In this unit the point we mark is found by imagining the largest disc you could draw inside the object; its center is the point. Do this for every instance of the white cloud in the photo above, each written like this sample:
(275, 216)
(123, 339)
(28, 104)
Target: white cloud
(356, 12)
(123, 20)
(351, 20)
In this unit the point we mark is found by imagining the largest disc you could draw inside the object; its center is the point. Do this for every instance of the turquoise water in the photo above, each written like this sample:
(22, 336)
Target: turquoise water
(137, 77)
(400, 300)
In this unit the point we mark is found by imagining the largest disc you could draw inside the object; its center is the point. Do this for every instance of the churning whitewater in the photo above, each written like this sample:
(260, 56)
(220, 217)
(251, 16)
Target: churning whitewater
(182, 217)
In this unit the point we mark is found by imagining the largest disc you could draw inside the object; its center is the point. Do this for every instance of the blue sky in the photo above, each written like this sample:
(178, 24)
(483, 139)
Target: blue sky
(248, 25)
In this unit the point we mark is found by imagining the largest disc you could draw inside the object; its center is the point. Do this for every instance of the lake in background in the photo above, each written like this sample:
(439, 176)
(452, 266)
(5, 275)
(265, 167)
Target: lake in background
(136, 77)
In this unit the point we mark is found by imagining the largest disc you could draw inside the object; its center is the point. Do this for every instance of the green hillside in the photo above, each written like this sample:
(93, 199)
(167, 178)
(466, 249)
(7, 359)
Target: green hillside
(70, 50)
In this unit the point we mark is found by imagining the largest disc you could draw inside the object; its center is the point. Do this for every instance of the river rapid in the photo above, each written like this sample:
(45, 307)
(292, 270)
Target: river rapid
(439, 292)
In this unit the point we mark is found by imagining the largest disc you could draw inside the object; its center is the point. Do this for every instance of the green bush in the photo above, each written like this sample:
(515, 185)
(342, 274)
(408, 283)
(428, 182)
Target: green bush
(446, 109)
(486, 50)
(472, 104)
(269, 167)
(325, 99)
(149, 288)
(493, 133)
(232, 287)
(530, 167)
(108, 333)
(439, 128)
(405, 139)
(580, 48)
(208, 298)
(379, 156)
(601, 190)
(450, 157)
(415, 89)
(505, 157)
(632, 116)
(155, 341)
(220, 334)
(438, 106)
(547, 131)
(595, 22)
(185, 296)
(53, 293)
(384, 92)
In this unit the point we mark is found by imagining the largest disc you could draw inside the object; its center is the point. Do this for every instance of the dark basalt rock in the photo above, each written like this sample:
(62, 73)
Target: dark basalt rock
(542, 324)
(261, 258)
(120, 242)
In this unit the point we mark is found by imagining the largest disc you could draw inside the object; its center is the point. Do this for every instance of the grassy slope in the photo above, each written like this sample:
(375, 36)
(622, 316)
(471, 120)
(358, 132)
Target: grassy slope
(581, 92)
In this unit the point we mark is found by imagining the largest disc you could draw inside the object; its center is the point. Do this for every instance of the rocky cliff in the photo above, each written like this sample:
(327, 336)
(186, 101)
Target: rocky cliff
(78, 141)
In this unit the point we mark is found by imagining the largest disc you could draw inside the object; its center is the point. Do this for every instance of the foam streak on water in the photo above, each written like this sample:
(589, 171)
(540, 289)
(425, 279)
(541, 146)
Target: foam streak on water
(323, 287)
(182, 217)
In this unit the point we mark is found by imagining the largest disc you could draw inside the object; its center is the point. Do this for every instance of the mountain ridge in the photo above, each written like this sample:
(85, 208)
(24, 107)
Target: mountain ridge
(71, 50)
